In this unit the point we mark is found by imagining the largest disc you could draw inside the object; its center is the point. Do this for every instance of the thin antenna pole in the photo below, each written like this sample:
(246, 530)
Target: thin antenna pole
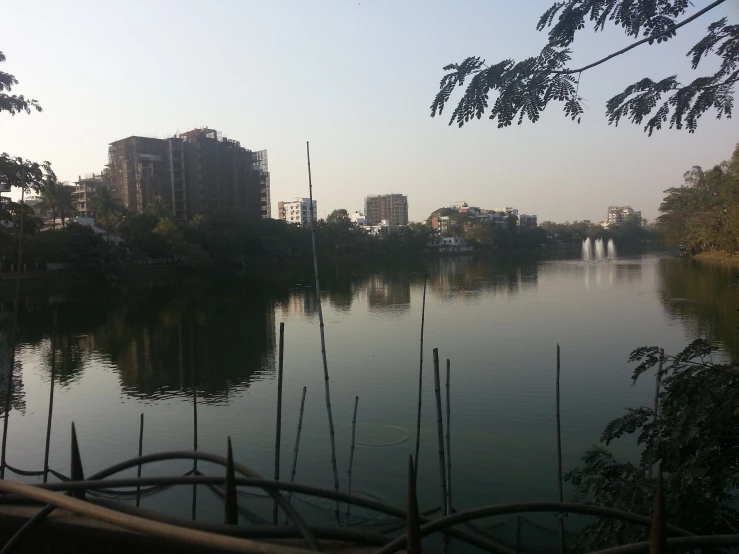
(278, 430)
(321, 327)
(351, 458)
(16, 307)
(420, 376)
(51, 395)
(559, 464)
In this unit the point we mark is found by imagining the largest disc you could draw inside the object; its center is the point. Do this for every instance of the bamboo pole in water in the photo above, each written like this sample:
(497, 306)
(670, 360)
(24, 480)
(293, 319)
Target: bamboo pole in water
(297, 445)
(656, 402)
(51, 395)
(194, 419)
(440, 431)
(420, 375)
(560, 517)
(321, 328)
(351, 458)
(16, 307)
(448, 439)
(141, 451)
(278, 430)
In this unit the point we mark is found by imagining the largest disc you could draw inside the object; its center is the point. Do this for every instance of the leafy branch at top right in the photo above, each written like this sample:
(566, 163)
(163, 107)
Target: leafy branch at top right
(525, 88)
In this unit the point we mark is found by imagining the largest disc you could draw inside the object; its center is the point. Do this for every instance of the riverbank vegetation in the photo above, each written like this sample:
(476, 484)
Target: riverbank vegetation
(702, 215)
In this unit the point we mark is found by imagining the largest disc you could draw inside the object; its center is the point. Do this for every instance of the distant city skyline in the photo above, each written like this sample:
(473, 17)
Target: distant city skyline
(356, 79)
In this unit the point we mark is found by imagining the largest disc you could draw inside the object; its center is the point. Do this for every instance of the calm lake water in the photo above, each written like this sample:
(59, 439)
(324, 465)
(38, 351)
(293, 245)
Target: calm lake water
(211, 346)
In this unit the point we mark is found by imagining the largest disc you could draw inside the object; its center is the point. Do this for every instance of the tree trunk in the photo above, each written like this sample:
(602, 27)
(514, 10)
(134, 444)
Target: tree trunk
(53, 219)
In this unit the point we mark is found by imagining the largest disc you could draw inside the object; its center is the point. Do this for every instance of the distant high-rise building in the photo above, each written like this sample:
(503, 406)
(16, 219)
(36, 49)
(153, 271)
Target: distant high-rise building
(296, 211)
(196, 172)
(617, 214)
(390, 207)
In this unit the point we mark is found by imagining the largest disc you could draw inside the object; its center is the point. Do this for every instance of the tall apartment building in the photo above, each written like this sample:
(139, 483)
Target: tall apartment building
(196, 172)
(617, 214)
(390, 207)
(297, 211)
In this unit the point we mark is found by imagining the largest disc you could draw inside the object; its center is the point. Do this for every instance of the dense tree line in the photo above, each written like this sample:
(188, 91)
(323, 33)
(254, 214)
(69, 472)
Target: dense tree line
(632, 231)
(703, 213)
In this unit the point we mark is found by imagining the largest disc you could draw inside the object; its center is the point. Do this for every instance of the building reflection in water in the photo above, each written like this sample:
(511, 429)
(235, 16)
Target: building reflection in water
(472, 276)
(163, 341)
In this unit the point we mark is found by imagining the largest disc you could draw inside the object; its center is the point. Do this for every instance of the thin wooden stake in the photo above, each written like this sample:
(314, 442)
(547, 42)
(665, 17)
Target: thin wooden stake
(351, 458)
(448, 439)
(297, 445)
(194, 419)
(658, 534)
(229, 490)
(278, 430)
(440, 430)
(420, 375)
(559, 464)
(51, 395)
(658, 383)
(413, 520)
(518, 534)
(141, 451)
(323, 337)
(76, 473)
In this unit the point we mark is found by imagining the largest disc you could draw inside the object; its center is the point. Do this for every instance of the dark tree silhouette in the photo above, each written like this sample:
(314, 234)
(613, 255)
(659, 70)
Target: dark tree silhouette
(15, 171)
(525, 88)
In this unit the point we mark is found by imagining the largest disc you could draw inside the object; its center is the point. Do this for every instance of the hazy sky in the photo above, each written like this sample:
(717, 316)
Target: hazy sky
(354, 78)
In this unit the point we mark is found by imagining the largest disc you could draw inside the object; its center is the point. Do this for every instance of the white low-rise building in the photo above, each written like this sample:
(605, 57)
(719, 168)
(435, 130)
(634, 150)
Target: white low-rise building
(297, 211)
(358, 218)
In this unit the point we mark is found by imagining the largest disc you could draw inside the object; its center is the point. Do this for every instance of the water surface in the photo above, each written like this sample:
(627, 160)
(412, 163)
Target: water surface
(206, 350)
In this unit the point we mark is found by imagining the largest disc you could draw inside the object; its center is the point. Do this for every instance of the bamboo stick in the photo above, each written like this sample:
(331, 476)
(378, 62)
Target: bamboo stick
(141, 451)
(321, 328)
(656, 403)
(194, 419)
(518, 534)
(297, 445)
(51, 395)
(351, 458)
(559, 464)
(440, 430)
(278, 430)
(420, 375)
(448, 439)
(16, 306)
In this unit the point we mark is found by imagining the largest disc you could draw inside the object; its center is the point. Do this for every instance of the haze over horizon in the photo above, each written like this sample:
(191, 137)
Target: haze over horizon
(356, 79)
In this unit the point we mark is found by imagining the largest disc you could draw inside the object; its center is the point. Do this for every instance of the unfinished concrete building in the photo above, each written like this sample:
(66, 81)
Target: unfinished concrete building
(196, 172)
(143, 168)
(392, 208)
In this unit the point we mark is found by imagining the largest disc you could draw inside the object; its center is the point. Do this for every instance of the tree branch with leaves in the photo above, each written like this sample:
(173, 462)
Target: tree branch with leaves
(525, 88)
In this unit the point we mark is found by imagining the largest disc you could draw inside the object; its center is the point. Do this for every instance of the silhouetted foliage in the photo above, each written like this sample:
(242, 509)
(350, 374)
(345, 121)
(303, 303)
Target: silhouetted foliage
(524, 89)
(703, 214)
(693, 439)
(10, 102)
